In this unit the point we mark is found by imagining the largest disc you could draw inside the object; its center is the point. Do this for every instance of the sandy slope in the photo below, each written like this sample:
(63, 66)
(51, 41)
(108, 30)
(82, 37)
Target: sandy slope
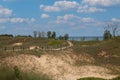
(59, 67)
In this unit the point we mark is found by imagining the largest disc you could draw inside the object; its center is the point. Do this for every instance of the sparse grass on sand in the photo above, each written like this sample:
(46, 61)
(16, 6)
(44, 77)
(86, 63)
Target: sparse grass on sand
(29, 41)
(106, 53)
(7, 44)
(109, 48)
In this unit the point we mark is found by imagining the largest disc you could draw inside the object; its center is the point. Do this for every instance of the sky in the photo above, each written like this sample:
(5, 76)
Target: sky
(75, 17)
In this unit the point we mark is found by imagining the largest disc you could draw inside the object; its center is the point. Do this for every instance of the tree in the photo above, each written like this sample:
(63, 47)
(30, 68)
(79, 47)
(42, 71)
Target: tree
(49, 34)
(60, 37)
(53, 35)
(66, 36)
(114, 29)
(107, 35)
(35, 33)
(17, 73)
(43, 34)
(39, 34)
(114, 26)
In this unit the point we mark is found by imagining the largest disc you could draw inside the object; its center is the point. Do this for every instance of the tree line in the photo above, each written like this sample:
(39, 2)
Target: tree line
(50, 35)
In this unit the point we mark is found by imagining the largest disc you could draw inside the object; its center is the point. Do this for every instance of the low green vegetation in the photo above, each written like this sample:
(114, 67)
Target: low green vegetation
(55, 42)
(92, 78)
(7, 73)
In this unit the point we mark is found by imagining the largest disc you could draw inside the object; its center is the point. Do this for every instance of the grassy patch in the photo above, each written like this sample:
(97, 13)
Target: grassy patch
(118, 78)
(37, 53)
(55, 42)
(90, 78)
(7, 73)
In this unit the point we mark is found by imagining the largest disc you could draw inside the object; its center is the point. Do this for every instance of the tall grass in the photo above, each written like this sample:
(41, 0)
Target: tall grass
(7, 73)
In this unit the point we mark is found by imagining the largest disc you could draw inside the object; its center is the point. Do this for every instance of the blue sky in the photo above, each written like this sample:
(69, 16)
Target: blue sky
(75, 17)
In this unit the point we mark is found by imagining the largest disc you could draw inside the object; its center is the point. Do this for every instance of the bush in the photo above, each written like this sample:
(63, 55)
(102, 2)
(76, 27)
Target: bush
(6, 73)
(91, 78)
(17, 73)
(118, 78)
(107, 35)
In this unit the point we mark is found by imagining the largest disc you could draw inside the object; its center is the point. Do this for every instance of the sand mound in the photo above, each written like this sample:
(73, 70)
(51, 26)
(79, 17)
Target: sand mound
(17, 44)
(57, 67)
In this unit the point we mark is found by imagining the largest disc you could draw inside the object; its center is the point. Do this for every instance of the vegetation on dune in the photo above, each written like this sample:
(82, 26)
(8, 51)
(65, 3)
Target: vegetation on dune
(92, 78)
(110, 48)
(4, 54)
(104, 52)
(107, 35)
(7, 73)
(55, 42)
(28, 41)
(7, 47)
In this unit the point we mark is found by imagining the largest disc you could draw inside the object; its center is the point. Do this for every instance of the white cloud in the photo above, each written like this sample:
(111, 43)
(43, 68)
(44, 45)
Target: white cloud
(101, 2)
(115, 20)
(2, 27)
(16, 20)
(71, 17)
(83, 7)
(67, 17)
(44, 16)
(5, 12)
(6, 16)
(49, 8)
(9, 0)
(72, 21)
(66, 4)
(88, 9)
(4, 20)
(59, 6)
(32, 20)
(88, 19)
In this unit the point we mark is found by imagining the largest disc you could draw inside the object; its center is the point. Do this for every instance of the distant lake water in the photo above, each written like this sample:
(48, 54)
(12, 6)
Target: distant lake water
(88, 38)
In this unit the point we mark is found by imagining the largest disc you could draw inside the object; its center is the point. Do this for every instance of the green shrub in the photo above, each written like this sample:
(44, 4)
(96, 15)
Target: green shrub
(17, 73)
(91, 78)
(55, 42)
(118, 78)
(7, 73)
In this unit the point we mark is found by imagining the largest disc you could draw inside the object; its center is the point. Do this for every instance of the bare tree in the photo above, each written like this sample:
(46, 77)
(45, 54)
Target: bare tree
(35, 33)
(43, 34)
(54, 35)
(49, 34)
(39, 34)
(114, 27)
(66, 36)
